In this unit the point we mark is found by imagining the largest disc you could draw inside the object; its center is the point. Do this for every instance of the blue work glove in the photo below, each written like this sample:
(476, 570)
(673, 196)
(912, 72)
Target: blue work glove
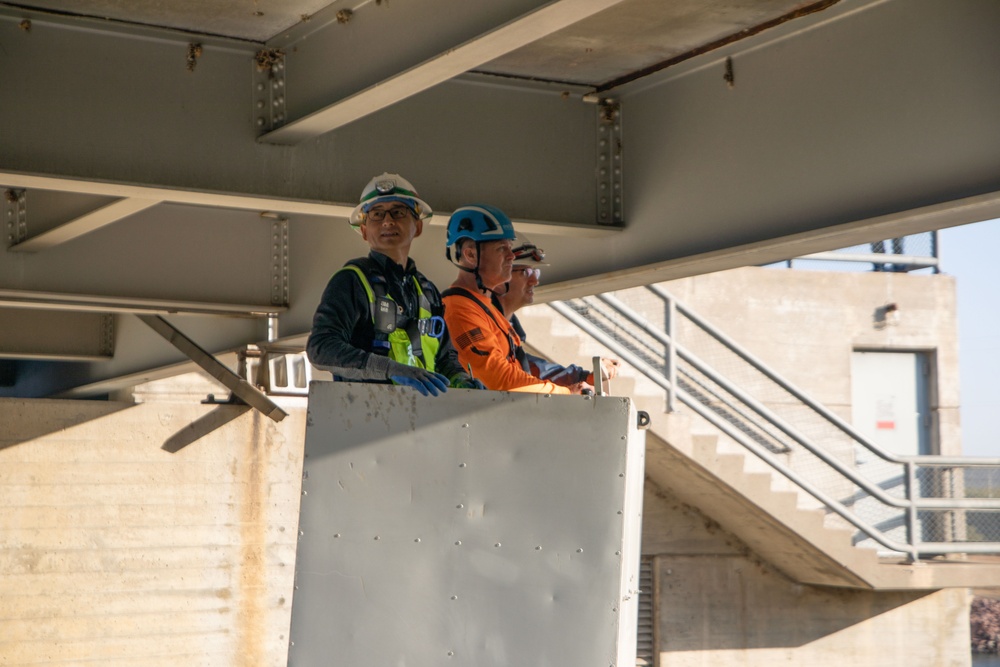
(424, 381)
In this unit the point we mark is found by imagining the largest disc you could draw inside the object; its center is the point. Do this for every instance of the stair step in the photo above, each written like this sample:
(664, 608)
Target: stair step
(754, 465)
(784, 505)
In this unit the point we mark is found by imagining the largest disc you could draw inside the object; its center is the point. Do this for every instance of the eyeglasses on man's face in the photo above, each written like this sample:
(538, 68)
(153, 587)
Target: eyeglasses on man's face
(529, 272)
(396, 213)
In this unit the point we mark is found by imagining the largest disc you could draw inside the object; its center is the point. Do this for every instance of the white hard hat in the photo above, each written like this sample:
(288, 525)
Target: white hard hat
(526, 252)
(389, 187)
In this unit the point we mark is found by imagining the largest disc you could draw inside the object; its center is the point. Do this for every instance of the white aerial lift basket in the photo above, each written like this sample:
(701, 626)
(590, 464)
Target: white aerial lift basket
(475, 529)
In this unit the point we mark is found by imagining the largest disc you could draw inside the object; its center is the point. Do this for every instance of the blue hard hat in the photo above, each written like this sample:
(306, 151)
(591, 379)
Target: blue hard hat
(479, 222)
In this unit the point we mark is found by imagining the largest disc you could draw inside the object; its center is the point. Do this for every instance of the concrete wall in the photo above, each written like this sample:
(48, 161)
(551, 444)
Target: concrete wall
(718, 605)
(806, 324)
(164, 533)
(153, 534)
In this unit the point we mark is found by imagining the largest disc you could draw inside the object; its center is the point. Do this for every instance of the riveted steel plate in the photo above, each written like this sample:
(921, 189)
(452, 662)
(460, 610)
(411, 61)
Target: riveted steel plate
(477, 528)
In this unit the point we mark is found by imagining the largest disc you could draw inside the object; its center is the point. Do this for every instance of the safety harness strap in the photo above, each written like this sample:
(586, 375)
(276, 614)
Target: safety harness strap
(515, 352)
(375, 287)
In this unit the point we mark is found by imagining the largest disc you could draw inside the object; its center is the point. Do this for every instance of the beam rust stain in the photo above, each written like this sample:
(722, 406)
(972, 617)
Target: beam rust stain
(719, 43)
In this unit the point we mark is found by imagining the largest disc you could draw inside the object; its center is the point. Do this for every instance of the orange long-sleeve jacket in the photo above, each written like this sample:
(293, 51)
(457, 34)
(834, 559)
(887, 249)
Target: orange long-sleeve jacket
(488, 344)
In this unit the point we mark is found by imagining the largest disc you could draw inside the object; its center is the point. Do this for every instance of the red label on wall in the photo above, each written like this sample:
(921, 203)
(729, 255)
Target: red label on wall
(885, 425)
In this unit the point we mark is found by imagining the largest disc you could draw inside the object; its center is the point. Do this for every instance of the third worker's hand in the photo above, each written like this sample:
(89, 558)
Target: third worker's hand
(609, 367)
(467, 382)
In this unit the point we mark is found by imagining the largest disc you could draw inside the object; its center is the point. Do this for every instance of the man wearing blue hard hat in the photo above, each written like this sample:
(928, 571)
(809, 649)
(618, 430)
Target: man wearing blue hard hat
(380, 320)
(479, 243)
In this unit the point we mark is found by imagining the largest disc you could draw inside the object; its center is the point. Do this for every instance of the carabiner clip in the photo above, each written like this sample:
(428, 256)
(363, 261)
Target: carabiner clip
(437, 327)
(432, 326)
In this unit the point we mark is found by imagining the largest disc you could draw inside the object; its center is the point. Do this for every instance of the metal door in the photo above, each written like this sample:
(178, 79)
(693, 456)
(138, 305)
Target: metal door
(890, 400)
(891, 409)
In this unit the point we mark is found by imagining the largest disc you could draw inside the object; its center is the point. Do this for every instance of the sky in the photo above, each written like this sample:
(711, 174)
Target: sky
(968, 252)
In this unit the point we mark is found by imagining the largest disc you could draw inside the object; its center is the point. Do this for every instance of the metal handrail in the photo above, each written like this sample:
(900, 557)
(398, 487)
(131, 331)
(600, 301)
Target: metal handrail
(760, 366)
(945, 461)
(771, 417)
(805, 398)
(895, 257)
(721, 424)
(627, 355)
(912, 261)
(795, 478)
(910, 504)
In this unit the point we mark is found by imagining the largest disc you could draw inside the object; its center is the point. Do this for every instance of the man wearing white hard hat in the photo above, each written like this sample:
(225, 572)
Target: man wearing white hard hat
(525, 275)
(380, 320)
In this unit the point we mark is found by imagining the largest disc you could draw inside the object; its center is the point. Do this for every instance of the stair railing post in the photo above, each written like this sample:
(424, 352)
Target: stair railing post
(671, 354)
(911, 511)
(934, 250)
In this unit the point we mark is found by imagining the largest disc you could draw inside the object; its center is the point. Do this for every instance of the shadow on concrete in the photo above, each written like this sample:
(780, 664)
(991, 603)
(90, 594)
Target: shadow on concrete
(738, 603)
(25, 419)
(217, 418)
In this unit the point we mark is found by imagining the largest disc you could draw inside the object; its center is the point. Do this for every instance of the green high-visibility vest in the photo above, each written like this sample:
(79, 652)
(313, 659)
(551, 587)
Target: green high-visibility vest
(413, 345)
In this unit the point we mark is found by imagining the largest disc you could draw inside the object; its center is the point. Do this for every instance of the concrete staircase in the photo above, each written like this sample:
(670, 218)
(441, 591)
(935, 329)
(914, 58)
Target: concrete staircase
(774, 518)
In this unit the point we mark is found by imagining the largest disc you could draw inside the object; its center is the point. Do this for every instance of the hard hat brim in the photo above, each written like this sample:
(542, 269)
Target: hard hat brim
(358, 214)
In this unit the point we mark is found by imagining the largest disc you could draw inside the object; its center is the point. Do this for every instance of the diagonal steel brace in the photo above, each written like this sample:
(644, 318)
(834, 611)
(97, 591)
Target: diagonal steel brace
(240, 388)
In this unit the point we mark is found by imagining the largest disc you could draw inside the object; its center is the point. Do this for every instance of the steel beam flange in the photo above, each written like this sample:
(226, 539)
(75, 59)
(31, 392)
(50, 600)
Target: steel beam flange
(108, 335)
(279, 262)
(268, 90)
(16, 215)
(610, 189)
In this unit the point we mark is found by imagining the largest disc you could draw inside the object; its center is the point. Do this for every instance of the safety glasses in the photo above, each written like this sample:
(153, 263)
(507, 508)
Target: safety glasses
(396, 213)
(529, 271)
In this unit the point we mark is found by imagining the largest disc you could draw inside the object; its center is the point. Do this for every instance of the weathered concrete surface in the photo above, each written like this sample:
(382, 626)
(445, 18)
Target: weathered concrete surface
(151, 534)
(718, 604)
(794, 541)
(806, 324)
(164, 534)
